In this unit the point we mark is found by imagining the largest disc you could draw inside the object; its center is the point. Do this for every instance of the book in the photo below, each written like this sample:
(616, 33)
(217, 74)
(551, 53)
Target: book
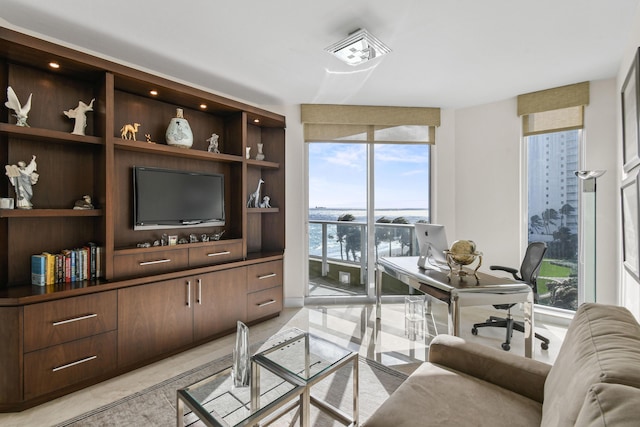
(38, 270)
(50, 268)
(92, 260)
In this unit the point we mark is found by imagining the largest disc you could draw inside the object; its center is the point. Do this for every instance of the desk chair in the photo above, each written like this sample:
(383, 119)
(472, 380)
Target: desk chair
(528, 273)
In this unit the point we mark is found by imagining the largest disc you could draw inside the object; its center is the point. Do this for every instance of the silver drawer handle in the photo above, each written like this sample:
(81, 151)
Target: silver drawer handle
(266, 303)
(68, 365)
(158, 261)
(219, 253)
(75, 319)
(266, 276)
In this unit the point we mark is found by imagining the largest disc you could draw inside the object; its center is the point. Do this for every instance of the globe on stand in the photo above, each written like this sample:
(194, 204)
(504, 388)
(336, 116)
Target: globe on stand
(463, 253)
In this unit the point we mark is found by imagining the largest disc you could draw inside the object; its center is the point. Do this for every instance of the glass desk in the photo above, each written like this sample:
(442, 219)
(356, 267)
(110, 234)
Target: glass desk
(305, 359)
(216, 402)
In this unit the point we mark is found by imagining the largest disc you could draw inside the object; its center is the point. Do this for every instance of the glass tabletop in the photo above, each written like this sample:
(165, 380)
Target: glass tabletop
(302, 355)
(219, 403)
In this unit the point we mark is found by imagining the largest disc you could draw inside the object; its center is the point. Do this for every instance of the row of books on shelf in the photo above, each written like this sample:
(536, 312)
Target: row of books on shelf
(70, 265)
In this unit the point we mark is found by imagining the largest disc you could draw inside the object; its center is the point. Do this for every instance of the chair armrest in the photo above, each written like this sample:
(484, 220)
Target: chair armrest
(512, 372)
(513, 271)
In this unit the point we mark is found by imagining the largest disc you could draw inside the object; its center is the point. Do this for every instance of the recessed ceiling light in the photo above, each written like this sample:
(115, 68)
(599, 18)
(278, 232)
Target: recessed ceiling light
(54, 65)
(358, 47)
(203, 106)
(256, 120)
(153, 92)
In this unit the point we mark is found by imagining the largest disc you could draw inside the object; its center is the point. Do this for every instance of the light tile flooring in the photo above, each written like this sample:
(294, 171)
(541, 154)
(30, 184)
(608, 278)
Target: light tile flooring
(353, 326)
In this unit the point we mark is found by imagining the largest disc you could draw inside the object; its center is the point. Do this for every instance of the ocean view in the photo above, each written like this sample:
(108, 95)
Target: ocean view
(332, 214)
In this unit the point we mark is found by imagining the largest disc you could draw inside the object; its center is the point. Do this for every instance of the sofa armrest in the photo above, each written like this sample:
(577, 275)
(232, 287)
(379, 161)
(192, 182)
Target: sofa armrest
(512, 372)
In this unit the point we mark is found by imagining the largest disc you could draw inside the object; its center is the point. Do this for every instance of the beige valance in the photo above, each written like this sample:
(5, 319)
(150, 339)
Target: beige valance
(553, 110)
(360, 123)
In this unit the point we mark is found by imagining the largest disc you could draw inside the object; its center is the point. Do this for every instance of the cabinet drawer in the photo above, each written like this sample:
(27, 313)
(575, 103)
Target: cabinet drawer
(264, 303)
(56, 322)
(265, 275)
(66, 364)
(215, 254)
(149, 263)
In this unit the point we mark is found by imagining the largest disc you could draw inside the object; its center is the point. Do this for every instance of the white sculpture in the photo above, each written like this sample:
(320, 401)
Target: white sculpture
(129, 131)
(22, 177)
(213, 144)
(265, 202)
(79, 114)
(254, 198)
(260, 155)
(21, 112)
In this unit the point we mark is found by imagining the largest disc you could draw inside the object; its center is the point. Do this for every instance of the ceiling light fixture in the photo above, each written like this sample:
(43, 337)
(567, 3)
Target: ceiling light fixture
(358, 47)
(153, 92)
(54, 65)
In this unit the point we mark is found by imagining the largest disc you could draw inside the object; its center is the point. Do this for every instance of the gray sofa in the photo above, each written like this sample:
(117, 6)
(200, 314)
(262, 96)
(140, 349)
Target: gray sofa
(595, 381)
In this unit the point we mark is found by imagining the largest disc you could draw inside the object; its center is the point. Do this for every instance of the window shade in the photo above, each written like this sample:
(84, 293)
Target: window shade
(553, 110)
(353, 123)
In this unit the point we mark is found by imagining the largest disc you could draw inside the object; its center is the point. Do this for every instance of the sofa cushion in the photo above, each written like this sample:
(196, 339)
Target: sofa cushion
(602, 345)
(436, 396)
(610, 405)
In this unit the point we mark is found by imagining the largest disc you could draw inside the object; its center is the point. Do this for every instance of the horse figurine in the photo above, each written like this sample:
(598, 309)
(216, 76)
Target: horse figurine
(254, 198)
(129, 131)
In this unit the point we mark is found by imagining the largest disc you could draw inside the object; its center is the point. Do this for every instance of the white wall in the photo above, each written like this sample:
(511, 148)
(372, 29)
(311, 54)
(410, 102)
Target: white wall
(630, 289)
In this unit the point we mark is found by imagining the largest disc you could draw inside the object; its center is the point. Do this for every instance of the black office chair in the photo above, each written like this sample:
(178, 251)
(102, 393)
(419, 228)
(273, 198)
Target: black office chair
(528, 273)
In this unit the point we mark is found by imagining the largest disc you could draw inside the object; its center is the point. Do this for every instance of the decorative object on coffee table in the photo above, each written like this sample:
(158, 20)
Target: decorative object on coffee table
(23, 177)
(179, 132)
(21, 112)
(241, 369)
(79, 114)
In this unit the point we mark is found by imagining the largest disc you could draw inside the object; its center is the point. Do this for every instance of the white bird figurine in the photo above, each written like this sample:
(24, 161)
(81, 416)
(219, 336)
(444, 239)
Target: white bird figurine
(13, 103)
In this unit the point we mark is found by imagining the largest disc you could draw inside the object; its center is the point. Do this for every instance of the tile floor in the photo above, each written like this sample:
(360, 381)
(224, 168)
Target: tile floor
(353, 326)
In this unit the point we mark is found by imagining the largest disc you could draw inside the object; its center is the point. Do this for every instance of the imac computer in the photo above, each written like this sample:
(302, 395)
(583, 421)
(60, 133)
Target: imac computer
(432, 243)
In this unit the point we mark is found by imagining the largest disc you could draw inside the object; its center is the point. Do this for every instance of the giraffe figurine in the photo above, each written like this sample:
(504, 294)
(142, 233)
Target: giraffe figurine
(254, 198)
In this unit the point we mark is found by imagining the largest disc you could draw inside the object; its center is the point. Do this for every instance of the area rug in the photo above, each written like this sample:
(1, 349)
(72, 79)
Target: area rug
(156, 405)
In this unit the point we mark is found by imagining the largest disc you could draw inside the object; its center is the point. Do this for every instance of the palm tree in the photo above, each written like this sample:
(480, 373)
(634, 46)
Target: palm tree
(565, 211)
(548, 217)
(350, 235)
(535, 224)
(403, 235)
(383, 234)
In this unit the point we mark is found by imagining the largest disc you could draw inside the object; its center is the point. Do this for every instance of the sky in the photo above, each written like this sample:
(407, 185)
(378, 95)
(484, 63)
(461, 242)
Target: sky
(337, 175)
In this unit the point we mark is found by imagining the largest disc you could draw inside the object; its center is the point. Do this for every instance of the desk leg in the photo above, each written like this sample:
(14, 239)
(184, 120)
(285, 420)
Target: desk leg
(378, 293)
(529, 340)
(180, 413)
(305, 406)
(356, 392)
(454, 316)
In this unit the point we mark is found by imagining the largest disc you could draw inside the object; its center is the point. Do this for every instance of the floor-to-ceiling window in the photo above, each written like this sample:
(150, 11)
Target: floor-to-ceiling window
(554, 213)
(345, 181)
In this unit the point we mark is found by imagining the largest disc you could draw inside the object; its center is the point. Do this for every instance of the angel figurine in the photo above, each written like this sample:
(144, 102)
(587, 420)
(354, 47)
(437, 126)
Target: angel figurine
(22, 177)
(21, 112)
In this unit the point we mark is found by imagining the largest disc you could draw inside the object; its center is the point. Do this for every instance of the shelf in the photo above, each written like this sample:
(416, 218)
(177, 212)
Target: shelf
(41, 213)
(262, 210)
(167, 150)
(263, 164)
(38, 134)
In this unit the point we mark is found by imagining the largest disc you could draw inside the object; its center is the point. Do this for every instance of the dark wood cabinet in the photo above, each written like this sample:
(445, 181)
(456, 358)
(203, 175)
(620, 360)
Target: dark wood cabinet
(149, 301)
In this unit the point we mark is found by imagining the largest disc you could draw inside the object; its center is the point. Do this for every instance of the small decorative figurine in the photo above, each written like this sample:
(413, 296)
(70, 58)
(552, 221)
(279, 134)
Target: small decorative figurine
(164, 240)
(22, 178)
(21, 112)
(213, 144)
(248, 155)
(193, 238)
(129, 131)
(204, 238)
(217, 236)
(182, 241)
(254, 198)
(85, 203)
(260, 155)
(79, 114)
(265, 202)
(148, 136)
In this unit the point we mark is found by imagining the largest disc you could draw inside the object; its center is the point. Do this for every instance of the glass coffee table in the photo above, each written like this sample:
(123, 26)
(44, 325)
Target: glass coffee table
(283, 372)
(216, 402)
(305, 359)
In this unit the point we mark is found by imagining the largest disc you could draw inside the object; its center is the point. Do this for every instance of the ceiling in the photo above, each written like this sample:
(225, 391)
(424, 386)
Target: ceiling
(445, 53)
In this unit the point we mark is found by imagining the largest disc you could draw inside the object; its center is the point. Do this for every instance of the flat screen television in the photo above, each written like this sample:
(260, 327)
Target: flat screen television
(164, 198)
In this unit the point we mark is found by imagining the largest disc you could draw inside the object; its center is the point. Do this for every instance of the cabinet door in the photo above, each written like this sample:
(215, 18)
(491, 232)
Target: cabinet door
(154, 319)
(220, 301)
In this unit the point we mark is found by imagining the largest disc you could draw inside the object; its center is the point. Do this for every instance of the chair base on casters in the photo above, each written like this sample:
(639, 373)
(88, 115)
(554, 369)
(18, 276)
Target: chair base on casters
(510, 325)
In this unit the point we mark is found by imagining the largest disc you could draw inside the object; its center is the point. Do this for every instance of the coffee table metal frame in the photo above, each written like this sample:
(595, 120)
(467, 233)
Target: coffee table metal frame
(267, 413)
(268, 360)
